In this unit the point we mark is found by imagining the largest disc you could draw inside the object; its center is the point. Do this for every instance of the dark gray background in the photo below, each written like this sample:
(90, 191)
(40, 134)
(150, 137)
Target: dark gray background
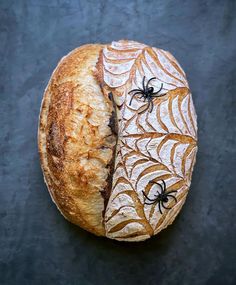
(37, 246)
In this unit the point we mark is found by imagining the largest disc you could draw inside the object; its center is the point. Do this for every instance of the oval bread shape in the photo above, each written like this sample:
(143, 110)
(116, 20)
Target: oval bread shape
(100, 151)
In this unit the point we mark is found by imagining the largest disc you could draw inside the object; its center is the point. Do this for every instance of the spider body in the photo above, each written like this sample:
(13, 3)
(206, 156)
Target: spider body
(147, 93)
(160, 198)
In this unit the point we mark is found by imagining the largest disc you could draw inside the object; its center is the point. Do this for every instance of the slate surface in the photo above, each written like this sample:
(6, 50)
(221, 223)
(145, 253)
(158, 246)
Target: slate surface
(37, 246)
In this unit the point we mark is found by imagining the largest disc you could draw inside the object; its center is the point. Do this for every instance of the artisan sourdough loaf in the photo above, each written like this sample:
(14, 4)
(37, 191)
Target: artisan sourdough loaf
(118, 139)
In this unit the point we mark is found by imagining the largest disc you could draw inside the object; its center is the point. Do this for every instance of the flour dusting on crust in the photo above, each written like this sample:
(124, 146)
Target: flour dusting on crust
(157, 145)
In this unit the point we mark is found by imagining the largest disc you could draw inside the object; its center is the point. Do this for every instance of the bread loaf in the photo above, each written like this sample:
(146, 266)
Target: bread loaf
(108, 153)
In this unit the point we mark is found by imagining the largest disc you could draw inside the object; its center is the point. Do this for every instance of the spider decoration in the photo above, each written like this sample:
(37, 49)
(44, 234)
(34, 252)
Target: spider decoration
(147, 93)
(161, 198)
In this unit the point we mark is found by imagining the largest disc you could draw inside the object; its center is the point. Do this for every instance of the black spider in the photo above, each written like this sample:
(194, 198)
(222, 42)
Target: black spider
(147, 93)
(162, 197)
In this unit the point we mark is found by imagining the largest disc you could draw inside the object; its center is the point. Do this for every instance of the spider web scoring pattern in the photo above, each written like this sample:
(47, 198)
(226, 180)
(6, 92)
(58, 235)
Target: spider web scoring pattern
(151, 146)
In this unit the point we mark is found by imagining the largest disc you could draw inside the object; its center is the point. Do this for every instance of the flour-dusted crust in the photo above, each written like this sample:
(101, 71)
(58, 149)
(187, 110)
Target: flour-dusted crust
(99, 153)
(151, 145)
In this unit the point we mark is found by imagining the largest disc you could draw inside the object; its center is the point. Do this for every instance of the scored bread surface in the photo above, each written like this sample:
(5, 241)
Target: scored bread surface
(77, 143)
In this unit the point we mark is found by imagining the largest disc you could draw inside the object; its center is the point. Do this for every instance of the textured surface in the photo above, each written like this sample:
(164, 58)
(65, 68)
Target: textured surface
(36, 244)
(156, 141)
(75, 140)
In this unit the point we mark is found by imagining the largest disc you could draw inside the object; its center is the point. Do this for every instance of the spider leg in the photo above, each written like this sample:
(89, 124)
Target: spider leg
(141, 96)
(138, 92)
(159, 206)
(144, 83)
(144, 194)
(151, 106)
(164, 185)
(150, 81)
(162, 189)
(154, 93)
(132, 97)
(160, 87)
(158, 185)
(148, 104)
(157, 194)
(168, 195)
(134, 90)
(162, 203)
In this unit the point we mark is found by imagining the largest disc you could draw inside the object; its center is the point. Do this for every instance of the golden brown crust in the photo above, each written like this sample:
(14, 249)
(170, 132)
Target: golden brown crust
(75, 141)
(105, 152)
